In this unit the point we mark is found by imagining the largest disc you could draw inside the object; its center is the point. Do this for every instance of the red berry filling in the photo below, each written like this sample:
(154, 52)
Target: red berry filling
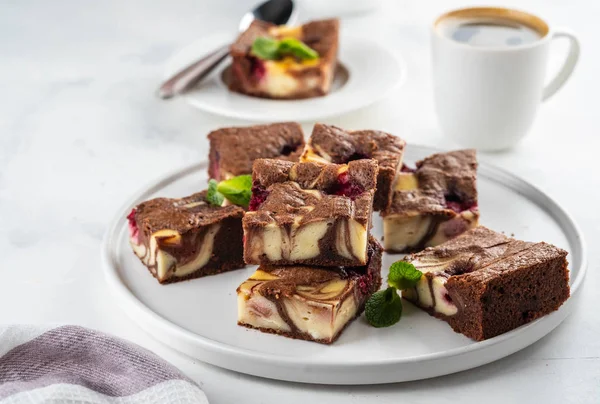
(457, 204)
(260, 309)
(364, 284)
(134, 231)
(215, 169)
(257, 69)
(407, 169)
(345, 188)
(259, 195)
(454, 227)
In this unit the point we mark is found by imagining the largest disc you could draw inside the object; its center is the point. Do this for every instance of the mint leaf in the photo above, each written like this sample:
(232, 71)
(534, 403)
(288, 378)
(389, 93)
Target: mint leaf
(384, 308)
(272, 49)
(265, 48)
(237, 190)
(213, 196)
(294, 47)
(403, 275)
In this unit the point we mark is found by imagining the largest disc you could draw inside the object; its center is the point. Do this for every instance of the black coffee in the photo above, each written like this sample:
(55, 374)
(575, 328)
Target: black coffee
(488, 32)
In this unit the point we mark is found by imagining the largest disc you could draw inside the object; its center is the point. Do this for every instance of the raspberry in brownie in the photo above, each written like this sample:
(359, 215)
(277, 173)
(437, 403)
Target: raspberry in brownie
(179, 239)
(309, 213)
(484, 284)
(233, 150)
(330, 144)
(288, 76)
(433, 203)
(306, 302)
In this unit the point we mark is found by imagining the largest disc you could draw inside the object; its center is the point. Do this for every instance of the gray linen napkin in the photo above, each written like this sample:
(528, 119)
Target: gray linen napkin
(74, 364)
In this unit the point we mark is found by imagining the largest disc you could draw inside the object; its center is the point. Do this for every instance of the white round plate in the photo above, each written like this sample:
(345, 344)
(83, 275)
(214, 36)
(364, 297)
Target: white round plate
(368, 73)
(199, 317)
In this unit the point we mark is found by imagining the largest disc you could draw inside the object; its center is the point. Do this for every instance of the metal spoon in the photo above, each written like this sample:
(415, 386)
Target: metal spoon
(278, 12)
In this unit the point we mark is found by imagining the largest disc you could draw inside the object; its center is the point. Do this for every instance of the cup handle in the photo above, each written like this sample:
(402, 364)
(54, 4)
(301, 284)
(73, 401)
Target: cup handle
(567, 67)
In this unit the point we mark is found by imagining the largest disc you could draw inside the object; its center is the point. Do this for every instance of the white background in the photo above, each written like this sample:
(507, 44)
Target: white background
(80, 130)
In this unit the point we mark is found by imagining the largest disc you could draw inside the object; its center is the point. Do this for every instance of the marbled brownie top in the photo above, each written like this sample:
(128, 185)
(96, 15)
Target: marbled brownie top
(309, 175)
(233, 150)
(453, 173)
(442, 183)
(339, 146)
(317, 283)
(181, 214)
(283, 191)
(321, 35)
(481, 253)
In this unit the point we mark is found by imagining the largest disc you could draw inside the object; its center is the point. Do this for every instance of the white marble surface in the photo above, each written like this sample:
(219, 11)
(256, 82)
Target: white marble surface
(80, 130)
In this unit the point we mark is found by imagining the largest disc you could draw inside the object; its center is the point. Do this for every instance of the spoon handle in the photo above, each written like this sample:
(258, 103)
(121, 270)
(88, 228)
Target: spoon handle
(192, 74)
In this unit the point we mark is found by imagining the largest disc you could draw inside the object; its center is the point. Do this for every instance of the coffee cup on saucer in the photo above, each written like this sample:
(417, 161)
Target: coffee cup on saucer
(489, 71)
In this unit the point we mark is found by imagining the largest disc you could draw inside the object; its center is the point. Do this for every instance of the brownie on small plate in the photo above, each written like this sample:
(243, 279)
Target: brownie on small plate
(433, 203)
(305, 302)
(287, 77)
(179, 239)
(233, 150)
(484, 284)
(330, 144)
(309, 213)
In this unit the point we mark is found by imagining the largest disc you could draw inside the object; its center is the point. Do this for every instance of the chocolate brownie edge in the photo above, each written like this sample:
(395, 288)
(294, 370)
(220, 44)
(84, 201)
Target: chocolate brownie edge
(523, 296)
(169, 213)
(383, 195)
(305, 336)
(233, 150)
(244, 41)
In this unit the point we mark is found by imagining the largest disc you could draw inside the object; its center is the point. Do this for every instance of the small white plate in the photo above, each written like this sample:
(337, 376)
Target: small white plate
(368, 73)
(199, 317)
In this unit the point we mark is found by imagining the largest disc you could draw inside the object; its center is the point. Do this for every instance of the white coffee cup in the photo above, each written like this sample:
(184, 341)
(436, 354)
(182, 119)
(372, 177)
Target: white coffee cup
(487, 96)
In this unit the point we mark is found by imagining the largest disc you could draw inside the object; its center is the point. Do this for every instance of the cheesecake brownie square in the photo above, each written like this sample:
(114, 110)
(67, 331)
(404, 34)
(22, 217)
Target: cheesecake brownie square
(484, 284)
(330, 144)
(179, 239)
(233, 150)
(307, 302)
(285, 77)
(432, 204)
(309, 213)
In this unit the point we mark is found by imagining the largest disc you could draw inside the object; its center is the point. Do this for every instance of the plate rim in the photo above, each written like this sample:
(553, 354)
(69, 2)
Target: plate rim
(395, 54)
(212, 347)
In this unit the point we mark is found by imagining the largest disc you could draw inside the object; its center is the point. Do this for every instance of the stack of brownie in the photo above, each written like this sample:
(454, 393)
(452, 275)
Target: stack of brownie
(179, 239)
(309, 230)
(308, 225)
